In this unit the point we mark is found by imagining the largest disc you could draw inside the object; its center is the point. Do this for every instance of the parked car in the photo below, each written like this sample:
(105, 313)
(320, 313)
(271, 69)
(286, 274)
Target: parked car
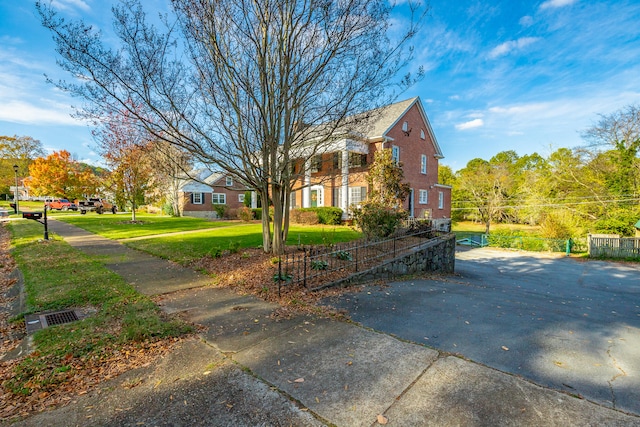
(60, 204)
(96, 204)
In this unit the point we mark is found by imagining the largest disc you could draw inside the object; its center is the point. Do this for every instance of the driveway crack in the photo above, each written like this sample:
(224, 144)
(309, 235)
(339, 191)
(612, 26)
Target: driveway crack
(622, 373)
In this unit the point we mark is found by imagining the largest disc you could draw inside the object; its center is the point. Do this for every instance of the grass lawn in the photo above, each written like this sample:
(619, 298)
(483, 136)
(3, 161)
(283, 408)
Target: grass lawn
(124, 320)
(188, 247)
(120, 226)
(467, 228)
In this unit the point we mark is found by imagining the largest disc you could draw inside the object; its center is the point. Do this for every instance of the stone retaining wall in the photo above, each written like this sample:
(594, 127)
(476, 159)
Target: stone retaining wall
(435, 255)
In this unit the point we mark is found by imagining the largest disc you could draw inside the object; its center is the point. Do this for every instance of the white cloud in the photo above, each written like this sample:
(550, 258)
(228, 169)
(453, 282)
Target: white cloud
(70, 5)
(526, 21)
(508, 47)
(25, 113)
(550, 4)
(476, 123)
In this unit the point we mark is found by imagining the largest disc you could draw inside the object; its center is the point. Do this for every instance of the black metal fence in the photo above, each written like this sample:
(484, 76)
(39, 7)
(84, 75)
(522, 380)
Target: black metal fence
(313, 266)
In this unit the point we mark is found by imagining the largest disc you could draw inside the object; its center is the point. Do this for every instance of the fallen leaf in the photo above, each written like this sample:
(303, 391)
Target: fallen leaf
(382, 419)
(505, 348)
(299, 380)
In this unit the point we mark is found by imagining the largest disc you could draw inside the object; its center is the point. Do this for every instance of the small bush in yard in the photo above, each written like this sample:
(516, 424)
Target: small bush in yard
(300, 216)
(319, 265)
(321, 215)
(220, 210)
(376, 220)
(245, 214)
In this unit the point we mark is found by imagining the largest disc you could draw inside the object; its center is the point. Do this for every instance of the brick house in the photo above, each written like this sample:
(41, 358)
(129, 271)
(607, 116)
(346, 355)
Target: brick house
(337, 176)
(199, 196)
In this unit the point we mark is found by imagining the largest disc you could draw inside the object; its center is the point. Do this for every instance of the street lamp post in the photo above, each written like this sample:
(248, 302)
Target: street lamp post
(16, 198)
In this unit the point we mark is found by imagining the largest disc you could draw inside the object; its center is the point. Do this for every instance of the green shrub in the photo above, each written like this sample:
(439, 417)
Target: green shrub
(257, 213)
(319, 265)
(220, 210)
(234, 247)
(329, 215)
(343, 255)
(323, 215)
(247, 199)
(375, 220)
(215, 252)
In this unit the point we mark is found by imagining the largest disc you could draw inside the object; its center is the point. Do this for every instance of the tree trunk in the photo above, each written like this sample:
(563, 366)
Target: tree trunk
(266, 229)
(278, 243)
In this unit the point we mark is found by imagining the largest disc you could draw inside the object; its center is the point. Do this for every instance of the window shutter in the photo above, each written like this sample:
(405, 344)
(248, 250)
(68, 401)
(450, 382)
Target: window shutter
(191, 198)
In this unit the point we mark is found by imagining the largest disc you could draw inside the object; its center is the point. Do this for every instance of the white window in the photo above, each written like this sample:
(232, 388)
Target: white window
(395, 153)
(197, 198)
(293, 199)
(229, 181)
(440, 200)
(423, 164)
(424, 197)
(357, 195)
(219, 199)
(422, 134)
(405, 126)
(241, 198)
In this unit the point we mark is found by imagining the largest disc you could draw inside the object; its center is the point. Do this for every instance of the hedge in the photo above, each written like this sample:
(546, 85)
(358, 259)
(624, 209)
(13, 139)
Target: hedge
(325, 215)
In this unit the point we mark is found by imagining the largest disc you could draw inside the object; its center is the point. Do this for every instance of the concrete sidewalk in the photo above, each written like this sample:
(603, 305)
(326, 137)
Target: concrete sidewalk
(252, 368)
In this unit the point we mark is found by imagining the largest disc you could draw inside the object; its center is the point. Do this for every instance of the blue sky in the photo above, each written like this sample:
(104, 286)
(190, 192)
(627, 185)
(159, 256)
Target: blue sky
(528, 76)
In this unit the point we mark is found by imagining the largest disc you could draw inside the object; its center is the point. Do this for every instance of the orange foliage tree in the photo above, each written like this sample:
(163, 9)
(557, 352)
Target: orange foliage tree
(58, 175)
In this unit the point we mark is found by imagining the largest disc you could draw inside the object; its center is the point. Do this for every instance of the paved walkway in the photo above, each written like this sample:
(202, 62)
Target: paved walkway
(254, 369)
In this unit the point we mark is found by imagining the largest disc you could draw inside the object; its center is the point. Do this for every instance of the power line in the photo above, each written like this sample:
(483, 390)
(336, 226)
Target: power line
(549, 205)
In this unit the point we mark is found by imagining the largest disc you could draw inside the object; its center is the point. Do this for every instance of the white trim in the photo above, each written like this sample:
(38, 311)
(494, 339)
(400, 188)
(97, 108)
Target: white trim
(423, 200)
(395, 149)
(217, 196)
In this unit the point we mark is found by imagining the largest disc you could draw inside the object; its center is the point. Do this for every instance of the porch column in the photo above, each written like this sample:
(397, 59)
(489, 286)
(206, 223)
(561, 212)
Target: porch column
(306, 199)
(254, 200)
(345, 184)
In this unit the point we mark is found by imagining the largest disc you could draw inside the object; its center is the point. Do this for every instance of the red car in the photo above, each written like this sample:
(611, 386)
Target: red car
(60, 204)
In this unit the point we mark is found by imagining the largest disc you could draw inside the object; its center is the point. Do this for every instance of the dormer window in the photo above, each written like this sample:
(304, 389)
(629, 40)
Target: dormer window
(405, 126)
(229, 181)
(422, 134)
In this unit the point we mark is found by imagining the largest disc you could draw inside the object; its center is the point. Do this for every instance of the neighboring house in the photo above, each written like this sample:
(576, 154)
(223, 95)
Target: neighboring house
(200, 195)
(337, 176)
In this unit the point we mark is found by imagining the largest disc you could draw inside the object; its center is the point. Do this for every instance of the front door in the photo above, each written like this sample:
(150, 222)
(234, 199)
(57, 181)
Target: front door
(314, 198)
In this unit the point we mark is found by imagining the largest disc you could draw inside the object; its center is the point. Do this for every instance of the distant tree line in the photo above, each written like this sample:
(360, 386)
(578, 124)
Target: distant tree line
(570, 192)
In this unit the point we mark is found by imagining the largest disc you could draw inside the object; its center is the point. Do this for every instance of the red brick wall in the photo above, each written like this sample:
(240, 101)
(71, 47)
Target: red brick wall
(412, 147)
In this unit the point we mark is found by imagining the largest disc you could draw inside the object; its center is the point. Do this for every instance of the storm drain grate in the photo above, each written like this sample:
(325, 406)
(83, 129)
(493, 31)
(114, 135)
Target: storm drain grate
(60, 317)
(38, 321)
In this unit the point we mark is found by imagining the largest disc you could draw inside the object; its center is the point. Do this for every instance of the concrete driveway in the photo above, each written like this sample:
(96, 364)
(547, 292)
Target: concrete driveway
(568, 324)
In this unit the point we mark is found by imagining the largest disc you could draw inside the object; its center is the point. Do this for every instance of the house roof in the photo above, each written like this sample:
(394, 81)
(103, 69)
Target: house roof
(383, 119)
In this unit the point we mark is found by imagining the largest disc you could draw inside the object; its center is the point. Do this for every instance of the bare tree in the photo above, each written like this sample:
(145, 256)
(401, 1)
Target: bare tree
(248, 86)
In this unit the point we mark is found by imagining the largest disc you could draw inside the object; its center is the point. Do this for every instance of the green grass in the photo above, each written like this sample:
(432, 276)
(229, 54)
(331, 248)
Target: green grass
(188, 247)
(121, 227)
(73, 280)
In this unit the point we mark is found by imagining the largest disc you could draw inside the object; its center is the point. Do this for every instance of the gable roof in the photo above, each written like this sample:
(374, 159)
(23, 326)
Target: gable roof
(385, 118)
